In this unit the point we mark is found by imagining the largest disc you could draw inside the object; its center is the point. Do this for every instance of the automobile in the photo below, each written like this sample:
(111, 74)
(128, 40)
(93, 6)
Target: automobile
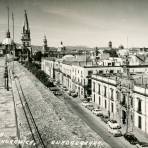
(55, 83)
(85, 103)
(64, 88)
(90, 107)
(57, 93)
(131, 138)
(54, 89)
(114, 132)
(105, 118)
(74, 95)
(97, 112)
(70, 92)
(88, 98)
(114, 124)
(142, 145)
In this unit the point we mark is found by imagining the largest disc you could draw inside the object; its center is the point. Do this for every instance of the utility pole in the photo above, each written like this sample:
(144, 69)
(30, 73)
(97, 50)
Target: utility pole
(7, 48)
(13, 48)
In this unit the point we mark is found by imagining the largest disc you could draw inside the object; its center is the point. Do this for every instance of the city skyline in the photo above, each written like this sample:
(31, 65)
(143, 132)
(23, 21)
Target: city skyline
(80, 22)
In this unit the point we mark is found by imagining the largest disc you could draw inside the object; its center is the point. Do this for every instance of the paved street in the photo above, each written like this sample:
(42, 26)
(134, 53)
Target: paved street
(7, 115)
(96, 124)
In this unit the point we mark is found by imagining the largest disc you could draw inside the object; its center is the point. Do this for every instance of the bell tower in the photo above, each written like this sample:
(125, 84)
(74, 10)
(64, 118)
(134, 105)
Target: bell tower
(26, 40)
(45, 45)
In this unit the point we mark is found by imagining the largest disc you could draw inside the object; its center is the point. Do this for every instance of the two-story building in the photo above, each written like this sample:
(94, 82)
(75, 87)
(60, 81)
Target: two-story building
(122, 100)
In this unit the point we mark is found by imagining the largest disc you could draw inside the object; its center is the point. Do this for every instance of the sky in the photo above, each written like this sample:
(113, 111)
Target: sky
(80, 22)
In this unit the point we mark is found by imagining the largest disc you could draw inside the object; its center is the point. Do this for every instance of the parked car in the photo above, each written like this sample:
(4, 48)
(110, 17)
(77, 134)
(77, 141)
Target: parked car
(114, 132)
(89, 99)
(57, 93)
(55, 83)
(90, 107)
(131, 138)
(86, 103)
(105, 118)
(142, 145)
(74, 95)
(64, 88)
(97, 112)
(114, 124)
(54, 89)
(71, 92)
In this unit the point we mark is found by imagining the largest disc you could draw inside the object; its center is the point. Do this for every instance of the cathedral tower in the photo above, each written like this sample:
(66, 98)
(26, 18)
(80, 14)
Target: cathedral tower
(45, 45)
(26, 40)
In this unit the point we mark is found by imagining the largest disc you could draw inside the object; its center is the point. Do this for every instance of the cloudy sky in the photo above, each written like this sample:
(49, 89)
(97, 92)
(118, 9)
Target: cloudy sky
(80, 22)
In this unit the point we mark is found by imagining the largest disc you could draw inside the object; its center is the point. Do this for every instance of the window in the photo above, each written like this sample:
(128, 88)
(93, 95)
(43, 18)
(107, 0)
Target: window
(131, 101)
(139, 122)
(100, 71)
(113, 63)
(139, 109)
(94, 97)
(104, 91)
(112, 94)
(99, 100)
(118, 71)
(117, 95)
(99, 89)
(105, 104)
(112, 107)
(90, 73)
(93, 86)
(124, 99)
(81, 74)
(111, 71)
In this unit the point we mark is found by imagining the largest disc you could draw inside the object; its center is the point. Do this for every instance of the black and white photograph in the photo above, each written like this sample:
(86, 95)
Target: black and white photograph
(73, 73)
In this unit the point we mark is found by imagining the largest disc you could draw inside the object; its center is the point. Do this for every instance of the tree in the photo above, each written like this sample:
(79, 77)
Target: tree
(38, 56)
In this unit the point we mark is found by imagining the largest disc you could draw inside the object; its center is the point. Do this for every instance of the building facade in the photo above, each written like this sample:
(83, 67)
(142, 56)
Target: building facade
(128, 107)
(75, 75)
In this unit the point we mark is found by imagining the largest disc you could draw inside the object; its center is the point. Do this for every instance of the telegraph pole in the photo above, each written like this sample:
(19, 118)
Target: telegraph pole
(13, 40)
(7, 48)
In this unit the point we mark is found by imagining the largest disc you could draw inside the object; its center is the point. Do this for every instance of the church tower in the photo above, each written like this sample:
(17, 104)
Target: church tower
(110, 44)
(45, 45)
(26, 40)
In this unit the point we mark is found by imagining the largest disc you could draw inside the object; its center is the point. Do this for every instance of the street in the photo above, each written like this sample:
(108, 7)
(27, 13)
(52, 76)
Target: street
(96, 124)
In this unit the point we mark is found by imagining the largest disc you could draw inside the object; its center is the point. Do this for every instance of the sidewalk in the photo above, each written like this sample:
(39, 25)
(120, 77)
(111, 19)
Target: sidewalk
(140, 135)
(7, 114)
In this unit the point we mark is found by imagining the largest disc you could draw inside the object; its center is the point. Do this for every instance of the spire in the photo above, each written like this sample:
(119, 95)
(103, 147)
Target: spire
(8, 32)
(26, 24)
(13, 25)
(45, 39)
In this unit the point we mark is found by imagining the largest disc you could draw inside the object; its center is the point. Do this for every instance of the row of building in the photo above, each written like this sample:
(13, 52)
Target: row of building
(120, 90)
